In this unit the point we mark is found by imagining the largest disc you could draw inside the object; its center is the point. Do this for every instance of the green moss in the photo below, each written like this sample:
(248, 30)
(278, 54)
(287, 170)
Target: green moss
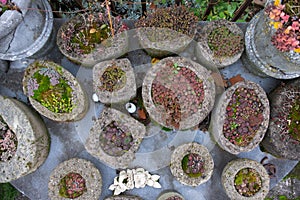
(294, 121)
(8, 192)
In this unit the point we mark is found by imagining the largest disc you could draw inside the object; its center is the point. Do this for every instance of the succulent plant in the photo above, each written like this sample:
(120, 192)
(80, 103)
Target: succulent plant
(247, 182)
(113, 79)
(193, 165)
(224, 43)
(243, 116)
(177, 18)
(8, 142)
(72, 186)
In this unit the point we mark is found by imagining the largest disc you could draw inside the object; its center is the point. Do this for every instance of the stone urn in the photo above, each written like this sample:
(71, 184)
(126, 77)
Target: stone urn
(88, 39)
(114, 81)
(170, 196)
(220, 43)
(114, 138)
(245, 179)
(241, 117)
(24, 140)
(178, 93)
(166, 31)
(75, 178)
(123, 197)
(26, 33)
(54, 92)
(191, 164)
(262, 57)
(283, 137)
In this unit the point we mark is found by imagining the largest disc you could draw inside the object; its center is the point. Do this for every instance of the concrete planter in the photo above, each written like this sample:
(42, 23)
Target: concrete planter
(206, 55)
(30, 34)
(167, 195)
(228, 179)
(111, 95)
(87, 170)
(123, 197)
(32, 136)
(78, 100)
(187, 118)
(278, 140)
(121, 158)
(221, 113)
(263, 58)
(157, 44)
(113, 48)
(177, 169)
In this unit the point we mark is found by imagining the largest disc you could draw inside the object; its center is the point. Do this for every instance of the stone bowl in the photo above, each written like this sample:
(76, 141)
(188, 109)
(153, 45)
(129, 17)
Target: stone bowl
(93, 145)
(176, 165)
(218, 118)
(203, 52)
(86, 169)
(79, 96)
(158, 113)
(32, 136)
(228, 177)
(127, 92)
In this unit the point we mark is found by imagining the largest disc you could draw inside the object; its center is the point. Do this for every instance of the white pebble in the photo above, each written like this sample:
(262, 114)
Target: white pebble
(95, 97)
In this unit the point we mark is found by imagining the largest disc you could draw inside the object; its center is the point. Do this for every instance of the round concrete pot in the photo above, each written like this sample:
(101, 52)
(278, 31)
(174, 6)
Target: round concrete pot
(187, 119)
(33, 141)
(87, 170)
(111, 48)
(78, 100)
(206, 56)
(228, 179)
(176, 164)
(279, 140)
(167, 195)
(220, 115)
(123, 94)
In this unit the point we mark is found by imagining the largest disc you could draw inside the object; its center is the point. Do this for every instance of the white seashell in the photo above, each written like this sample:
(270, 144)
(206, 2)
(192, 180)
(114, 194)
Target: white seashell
(156, 185)
(95, 97)
(130, 107)
(155, 177)
(150, 183)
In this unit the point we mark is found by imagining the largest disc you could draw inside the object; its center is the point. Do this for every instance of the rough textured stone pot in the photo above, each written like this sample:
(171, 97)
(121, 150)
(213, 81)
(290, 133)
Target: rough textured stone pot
(177, 169)
(95, 145)
(110, 95)
(167, 195)
(123, 197)
(206, 55)
(32, 35)
(87, 170)
(188, 119)
(284, 103)
(229, 174)
(32, 137)
(78, 100)
(263, 58)
(10, 19)
(114, 47)
(159, 45)
(221, 112)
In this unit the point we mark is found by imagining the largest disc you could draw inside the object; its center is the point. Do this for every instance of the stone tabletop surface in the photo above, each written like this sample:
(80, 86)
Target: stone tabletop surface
(67, 139)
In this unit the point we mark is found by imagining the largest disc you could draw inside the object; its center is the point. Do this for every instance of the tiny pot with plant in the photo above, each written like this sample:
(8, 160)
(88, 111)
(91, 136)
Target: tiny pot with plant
(272, 40)
(93, 37)
(75, 179)
(191, 164)
(240, 117)
(220, 43)
(114, 81)
(283, 135)
(24, 140)
(54, 92)
(245, 179)
(166, 31)
(178, 93)
(114, 138)
(170, 196)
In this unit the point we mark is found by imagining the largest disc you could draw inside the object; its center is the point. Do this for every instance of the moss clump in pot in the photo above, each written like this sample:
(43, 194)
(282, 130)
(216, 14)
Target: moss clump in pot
(113, 79)
(51, 89)
(72, 186)
(247, 182)
(294, 120)
(223, 42)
